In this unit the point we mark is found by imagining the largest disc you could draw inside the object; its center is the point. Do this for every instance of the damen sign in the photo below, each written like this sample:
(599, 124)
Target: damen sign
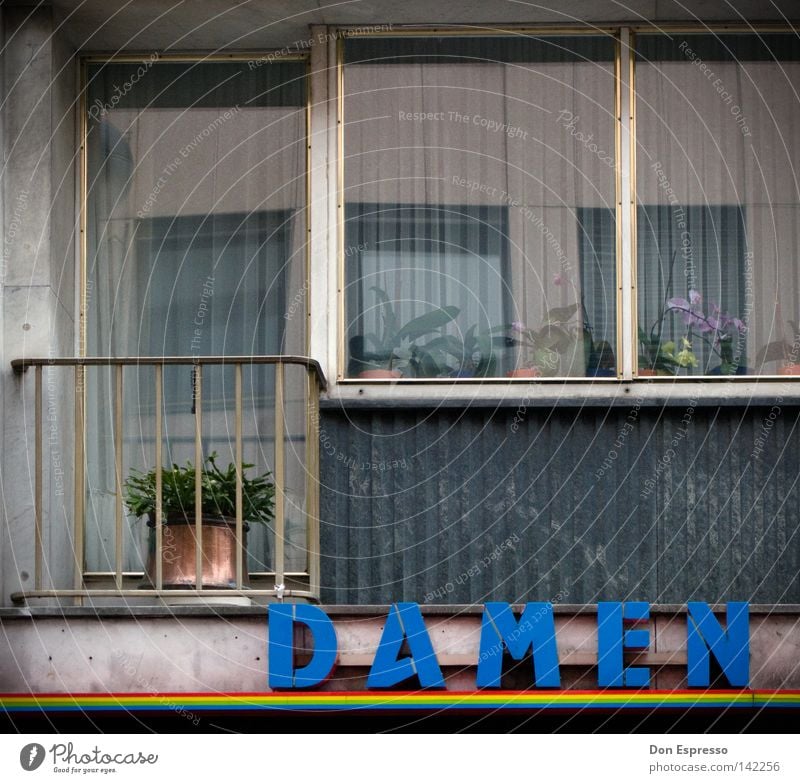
(620, 628)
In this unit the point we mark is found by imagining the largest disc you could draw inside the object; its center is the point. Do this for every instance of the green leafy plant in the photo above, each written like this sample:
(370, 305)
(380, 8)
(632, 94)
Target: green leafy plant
(398, 347)
(467, 356)
(218, 492)
(661, 355)
(559, 336)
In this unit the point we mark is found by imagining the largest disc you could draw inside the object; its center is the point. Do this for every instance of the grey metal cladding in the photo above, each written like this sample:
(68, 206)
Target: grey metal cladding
(572, 505)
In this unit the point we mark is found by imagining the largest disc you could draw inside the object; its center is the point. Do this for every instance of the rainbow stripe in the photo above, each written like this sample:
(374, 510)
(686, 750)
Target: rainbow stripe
(422, 701)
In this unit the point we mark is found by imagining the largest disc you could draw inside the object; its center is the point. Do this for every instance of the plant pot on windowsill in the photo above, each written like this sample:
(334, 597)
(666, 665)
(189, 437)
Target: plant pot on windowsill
(380, 374)
(789, 369)
(219, 551)
(525, 372)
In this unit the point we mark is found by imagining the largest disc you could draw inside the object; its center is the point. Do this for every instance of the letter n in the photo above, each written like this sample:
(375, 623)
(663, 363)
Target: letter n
(282, 671)
(405, 623)
(730, 648)
(536, 629)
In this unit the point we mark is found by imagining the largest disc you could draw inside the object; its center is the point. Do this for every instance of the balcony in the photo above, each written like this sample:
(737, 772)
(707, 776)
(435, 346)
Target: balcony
(95, 421)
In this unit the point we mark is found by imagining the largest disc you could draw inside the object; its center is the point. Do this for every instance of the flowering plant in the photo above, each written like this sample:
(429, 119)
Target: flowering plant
(541, 348)
(720, 331)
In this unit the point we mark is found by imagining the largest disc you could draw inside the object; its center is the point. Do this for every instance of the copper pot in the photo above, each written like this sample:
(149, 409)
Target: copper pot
(178, 560)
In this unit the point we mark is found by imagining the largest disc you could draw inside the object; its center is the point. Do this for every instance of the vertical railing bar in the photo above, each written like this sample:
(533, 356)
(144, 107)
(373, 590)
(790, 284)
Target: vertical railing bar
(118, 475)
(279, 477)
(38, 489)
(198, 474)
(240, 548)
(312, 482)
(159, 554)
(80, 489)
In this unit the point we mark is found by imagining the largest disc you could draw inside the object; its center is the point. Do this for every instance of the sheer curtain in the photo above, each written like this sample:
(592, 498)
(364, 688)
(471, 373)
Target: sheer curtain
(466, 164)
(719, 202)
(196, 232)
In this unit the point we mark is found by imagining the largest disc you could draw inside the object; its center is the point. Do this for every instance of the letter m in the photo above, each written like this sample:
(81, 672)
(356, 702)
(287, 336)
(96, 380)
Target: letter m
(535, 629)
(730, 648)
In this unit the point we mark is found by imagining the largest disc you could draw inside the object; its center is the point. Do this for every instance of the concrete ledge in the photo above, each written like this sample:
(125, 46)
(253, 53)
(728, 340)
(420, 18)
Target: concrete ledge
(651, 393)
(336, 610)
(186, 650)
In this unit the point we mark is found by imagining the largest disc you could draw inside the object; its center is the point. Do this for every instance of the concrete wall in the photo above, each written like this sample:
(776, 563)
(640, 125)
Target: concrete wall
(163, 651)
(38, 288)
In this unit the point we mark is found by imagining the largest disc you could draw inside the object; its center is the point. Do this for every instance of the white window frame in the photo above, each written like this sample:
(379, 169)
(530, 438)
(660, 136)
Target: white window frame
(326, 304)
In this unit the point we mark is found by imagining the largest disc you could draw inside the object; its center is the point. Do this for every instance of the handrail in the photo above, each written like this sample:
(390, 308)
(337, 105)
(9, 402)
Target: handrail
(314, 383)
(21, 365)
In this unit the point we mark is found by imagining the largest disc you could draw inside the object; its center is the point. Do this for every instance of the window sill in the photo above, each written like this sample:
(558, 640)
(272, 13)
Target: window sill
(589, 392)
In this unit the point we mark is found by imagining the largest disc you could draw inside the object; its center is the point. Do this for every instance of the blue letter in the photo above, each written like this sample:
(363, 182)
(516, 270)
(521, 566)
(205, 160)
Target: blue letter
(282, 618)
(536, 628)
(612, 641)
(731, 648)
(405, 622)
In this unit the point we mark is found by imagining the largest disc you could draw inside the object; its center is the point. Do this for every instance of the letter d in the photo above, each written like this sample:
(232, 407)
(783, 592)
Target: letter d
(282, 672)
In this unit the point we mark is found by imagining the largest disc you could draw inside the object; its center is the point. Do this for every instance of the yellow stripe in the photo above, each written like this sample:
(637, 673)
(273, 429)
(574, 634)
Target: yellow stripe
(303, 700)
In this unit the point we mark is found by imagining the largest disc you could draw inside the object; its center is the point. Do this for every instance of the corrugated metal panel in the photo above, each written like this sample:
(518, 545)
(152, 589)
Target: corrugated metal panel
(576, 505)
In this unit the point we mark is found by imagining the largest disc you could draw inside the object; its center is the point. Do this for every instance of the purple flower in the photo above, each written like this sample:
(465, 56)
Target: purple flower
(518, 326)
(558, 279)
(679, 304)
(694, 297)
(701, 323)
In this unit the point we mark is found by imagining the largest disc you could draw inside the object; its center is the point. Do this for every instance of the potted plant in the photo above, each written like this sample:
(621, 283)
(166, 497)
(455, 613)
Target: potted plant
(218, 493)
(395, 351)
(784, 352)
(541, 350)
(470, 356)
(720, 331)
(659, 357)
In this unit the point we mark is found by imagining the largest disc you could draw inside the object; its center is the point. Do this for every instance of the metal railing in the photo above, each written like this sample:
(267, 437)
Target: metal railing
(306, 583)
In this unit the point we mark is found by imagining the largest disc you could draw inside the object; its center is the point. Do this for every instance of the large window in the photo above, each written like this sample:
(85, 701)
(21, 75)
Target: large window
(718, 223)
(196, 246)
(471, 168)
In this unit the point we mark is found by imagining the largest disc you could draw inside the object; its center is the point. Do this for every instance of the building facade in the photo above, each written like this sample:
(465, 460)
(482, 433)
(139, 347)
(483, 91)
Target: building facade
(501, 302)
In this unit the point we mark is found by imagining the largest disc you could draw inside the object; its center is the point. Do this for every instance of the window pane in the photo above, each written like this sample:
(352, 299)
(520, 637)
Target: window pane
(718, 204)
(475, 174)
(196, 246)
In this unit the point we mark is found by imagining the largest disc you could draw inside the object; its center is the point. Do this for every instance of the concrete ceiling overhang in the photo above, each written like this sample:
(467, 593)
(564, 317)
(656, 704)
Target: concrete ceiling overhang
(179, 25)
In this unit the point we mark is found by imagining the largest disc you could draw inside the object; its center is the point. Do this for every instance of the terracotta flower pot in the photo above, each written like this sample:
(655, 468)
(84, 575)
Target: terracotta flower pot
(789, 369)
(647, 372)
(525, 372)
(373, 374)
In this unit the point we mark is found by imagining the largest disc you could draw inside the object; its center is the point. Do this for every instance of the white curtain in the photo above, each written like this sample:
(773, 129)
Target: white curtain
(196, 245)
(481, 153)
(717, 182)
